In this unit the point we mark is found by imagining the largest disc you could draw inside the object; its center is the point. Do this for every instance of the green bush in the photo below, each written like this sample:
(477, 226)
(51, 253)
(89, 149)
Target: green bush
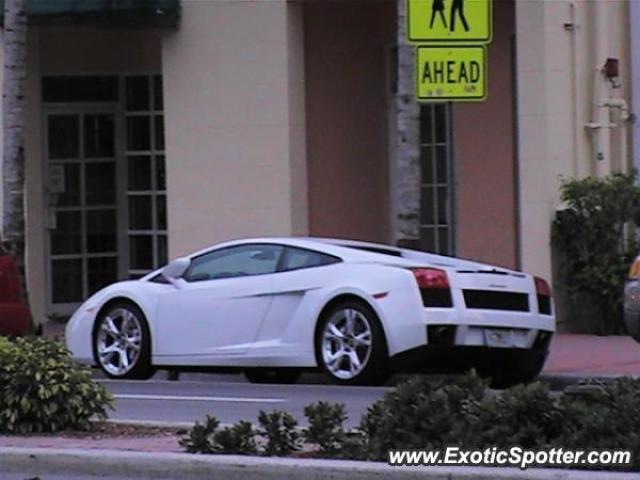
(420, 413)
(525, 415)
(238, 438)
(326, 428)
(280, 430)
(200, 438)
(590, 238)
(608, 417)
(42, 389)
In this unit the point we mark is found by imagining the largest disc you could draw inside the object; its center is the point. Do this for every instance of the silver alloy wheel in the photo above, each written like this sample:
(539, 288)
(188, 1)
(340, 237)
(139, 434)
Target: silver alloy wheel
(119, 341)
(346, 343)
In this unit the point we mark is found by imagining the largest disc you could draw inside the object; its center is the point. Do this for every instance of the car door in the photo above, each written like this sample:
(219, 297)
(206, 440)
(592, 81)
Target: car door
(218, 309)
(300, 273)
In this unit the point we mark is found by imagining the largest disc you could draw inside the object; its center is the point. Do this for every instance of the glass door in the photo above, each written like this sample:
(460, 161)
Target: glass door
(82, 205)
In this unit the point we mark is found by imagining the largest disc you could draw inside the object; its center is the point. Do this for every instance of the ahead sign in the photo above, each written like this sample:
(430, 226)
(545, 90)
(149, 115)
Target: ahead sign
(466, 21)
(451, 72)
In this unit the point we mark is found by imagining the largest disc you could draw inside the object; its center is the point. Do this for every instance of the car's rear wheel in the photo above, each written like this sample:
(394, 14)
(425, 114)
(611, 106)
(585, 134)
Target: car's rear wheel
(122, 343)
(278, 375)
(351, 346)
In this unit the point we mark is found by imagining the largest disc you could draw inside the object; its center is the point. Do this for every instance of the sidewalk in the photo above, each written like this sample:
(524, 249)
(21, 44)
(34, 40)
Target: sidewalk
(590, 355)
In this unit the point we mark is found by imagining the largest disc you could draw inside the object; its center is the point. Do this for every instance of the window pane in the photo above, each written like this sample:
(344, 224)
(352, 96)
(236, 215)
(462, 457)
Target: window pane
(139, 173)
(443, 217)
(427, 239)
(137, 89)
(427, 164)
(162, 249)
(101, 272)
(426, 125)
(64, 184)
(99, 136)
(101, 183)
(159, 132)
(297, 258)
(140, 217)
(138, 133)
(66, 281)
(443, 241)
(161, 211)
(235, 262)
(66, 237)
(158, 93)
(441, 123)
(427, 207)
(64, 136)
(161, 181)
(101, 231)
(441, 162)
(141, 252)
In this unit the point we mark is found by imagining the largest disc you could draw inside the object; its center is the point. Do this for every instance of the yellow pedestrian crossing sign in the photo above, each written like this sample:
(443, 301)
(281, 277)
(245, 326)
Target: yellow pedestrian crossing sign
(451, 72)
(468, 21)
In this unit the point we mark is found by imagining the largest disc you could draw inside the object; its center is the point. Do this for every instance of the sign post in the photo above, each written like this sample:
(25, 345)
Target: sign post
(451, 56)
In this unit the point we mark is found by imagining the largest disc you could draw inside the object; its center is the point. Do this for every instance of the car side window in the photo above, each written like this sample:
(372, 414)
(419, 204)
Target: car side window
(297, 258)
(240, 261)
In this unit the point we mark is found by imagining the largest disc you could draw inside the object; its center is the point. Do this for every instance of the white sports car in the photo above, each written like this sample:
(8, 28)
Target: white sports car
(272, 307)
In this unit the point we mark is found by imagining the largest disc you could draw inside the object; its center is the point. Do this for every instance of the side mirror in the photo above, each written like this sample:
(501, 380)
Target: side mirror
(175, 269)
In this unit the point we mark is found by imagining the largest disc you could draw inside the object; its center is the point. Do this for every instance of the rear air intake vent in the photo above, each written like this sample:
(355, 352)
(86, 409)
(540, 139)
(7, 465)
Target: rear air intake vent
(492, 300)
(436, 297)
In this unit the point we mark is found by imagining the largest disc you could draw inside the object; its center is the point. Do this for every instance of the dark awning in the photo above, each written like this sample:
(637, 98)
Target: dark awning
(107, 13)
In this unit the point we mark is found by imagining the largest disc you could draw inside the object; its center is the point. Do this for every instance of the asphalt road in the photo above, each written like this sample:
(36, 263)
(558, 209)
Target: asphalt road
(229, 399)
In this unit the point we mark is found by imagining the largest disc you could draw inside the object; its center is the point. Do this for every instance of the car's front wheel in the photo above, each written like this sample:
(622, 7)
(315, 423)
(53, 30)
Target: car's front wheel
(122, 343)
(351, 346)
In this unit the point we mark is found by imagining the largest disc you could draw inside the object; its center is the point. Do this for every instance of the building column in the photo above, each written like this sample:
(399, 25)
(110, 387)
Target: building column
(235, 122)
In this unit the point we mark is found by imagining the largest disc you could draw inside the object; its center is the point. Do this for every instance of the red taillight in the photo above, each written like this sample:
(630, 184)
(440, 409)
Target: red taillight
(431, 277)
(542, 287)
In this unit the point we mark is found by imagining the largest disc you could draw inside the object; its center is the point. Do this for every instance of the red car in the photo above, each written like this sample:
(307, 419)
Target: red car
(14, 315)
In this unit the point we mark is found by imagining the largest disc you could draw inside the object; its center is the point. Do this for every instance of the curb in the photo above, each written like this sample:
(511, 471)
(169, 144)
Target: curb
(110, 464)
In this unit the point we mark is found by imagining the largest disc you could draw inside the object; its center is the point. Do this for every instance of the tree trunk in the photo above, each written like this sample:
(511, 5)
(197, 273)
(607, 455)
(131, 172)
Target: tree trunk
(13, 118)
(407, 171)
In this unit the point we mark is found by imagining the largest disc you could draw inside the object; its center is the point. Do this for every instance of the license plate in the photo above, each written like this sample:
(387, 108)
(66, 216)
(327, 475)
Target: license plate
(503, 338)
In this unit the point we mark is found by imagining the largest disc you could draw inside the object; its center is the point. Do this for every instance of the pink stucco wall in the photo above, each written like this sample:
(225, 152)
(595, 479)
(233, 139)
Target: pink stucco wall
(484, 143)
(347, 123)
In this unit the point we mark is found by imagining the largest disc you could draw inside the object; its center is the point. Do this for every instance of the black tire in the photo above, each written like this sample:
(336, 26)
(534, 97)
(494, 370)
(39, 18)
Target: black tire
(375, 367)
(139, 367)
(284, 376)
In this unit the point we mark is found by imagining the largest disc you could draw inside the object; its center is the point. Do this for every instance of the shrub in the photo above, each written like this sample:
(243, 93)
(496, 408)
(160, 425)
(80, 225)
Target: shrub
(607, 417)
(589, 235)
(206, 438)
(238, 438)
(200, 438)
(280, 429)
(42, 389)
(326, 428)
(525, 415)
(420, 413)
